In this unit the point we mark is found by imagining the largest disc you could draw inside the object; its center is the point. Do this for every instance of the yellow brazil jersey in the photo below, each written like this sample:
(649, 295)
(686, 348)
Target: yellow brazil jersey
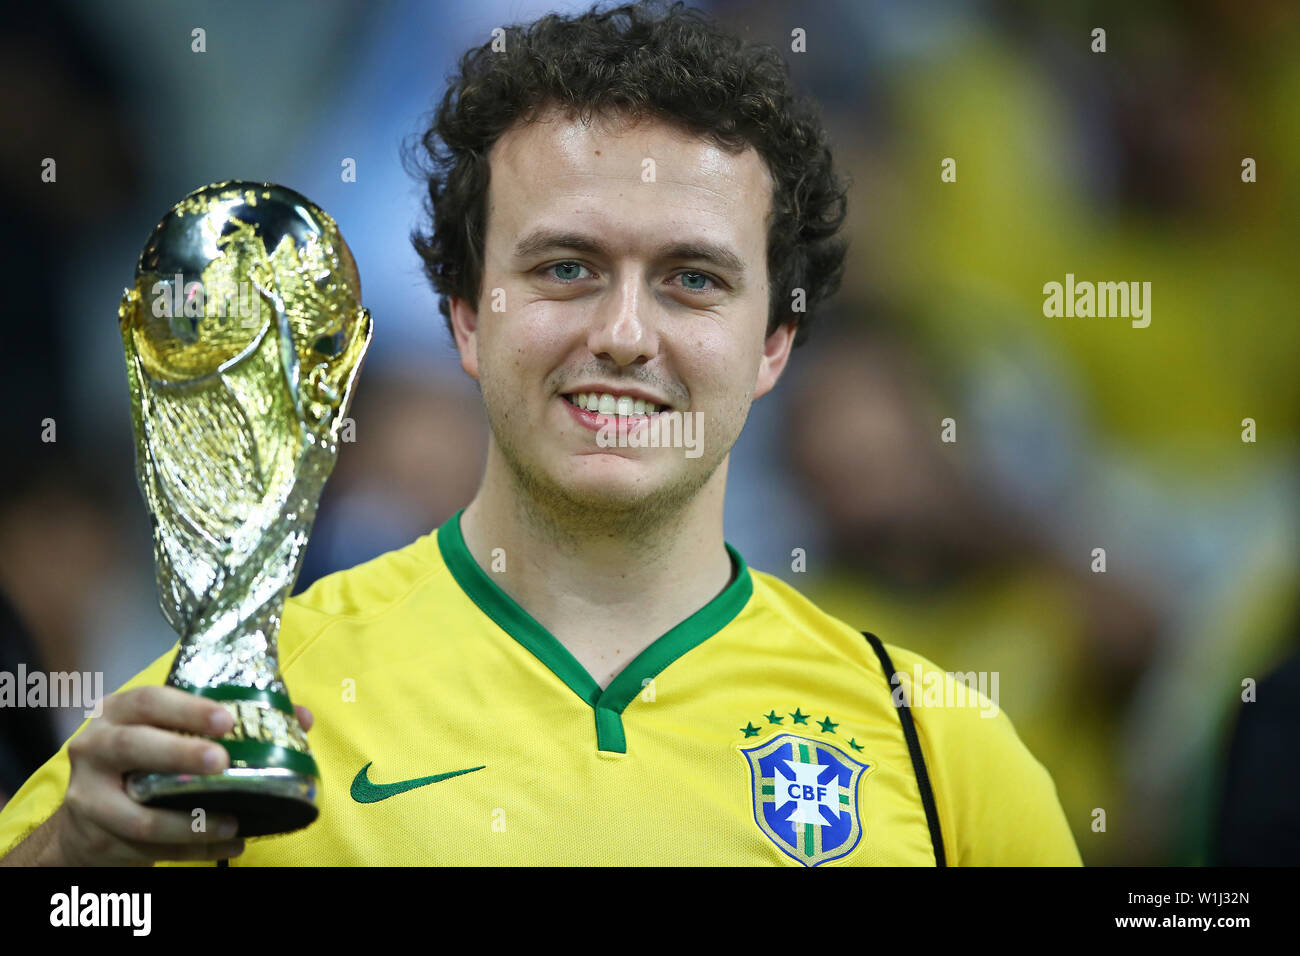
(451, 728)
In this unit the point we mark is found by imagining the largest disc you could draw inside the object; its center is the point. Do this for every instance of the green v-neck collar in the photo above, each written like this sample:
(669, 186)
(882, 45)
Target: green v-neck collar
(607, 704)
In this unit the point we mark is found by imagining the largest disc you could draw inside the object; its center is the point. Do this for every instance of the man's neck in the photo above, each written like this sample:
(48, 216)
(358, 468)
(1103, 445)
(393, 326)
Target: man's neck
(604, 596)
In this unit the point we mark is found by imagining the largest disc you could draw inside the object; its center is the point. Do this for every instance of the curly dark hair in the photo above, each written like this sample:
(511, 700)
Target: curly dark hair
(638, 59)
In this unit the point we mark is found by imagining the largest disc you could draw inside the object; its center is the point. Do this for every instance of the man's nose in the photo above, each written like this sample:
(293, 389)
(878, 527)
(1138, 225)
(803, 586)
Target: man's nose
(622, 329)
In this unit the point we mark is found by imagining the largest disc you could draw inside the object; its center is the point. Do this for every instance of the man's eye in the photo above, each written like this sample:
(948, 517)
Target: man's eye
(696, 281)
(567, 271)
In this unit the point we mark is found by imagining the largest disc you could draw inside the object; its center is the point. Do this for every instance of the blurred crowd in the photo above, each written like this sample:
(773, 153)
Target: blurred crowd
(1071, 435)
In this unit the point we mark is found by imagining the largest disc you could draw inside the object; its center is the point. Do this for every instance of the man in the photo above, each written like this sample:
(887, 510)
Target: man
(631, 217)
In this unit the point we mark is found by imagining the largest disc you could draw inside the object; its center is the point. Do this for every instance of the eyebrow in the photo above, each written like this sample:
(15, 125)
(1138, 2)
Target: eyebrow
(717, 255)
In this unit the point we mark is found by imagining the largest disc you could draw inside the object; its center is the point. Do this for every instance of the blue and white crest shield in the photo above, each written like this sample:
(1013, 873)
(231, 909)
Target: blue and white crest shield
(806, 797)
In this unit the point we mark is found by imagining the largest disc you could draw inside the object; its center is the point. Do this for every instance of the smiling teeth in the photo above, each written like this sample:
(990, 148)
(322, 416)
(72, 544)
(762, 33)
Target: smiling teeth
(605, 403)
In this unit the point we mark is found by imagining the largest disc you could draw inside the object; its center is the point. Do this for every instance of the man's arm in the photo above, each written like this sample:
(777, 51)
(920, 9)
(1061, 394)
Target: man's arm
(35, 850)
(997, 804)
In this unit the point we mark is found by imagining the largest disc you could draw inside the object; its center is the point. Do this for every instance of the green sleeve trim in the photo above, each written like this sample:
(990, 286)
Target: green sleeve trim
(524, 628)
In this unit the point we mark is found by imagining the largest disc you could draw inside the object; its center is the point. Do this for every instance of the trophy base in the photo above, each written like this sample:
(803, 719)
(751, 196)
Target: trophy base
(265, 800)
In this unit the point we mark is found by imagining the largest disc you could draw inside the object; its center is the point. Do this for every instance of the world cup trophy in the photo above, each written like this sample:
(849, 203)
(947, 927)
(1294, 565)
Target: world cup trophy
(244, 334)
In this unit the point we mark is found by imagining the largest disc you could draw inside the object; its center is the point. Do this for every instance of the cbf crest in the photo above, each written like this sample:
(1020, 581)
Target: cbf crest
(806, 797)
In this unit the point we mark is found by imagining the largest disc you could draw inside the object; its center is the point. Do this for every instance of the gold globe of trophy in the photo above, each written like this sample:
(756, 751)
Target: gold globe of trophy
(244, 334)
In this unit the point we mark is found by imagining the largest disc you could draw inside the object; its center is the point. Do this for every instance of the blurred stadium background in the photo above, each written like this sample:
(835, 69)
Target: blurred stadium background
(1073, 434)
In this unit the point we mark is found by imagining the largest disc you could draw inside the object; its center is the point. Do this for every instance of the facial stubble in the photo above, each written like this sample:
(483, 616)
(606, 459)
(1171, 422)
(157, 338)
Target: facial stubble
(569, 517)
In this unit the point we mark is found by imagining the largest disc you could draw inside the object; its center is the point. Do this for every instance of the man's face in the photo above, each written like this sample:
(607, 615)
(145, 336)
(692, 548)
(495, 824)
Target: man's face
(622, 259)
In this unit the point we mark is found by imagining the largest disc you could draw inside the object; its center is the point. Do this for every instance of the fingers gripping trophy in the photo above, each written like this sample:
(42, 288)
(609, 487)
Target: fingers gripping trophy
(244, 334)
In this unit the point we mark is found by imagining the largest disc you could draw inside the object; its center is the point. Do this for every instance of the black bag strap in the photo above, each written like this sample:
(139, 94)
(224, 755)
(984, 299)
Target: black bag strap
(913, 748)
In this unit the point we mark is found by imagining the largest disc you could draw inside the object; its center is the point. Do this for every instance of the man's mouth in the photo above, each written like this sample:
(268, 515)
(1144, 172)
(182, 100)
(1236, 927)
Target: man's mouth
(613, 403)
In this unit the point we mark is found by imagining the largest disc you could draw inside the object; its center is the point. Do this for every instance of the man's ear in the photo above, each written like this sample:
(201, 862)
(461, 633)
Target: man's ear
(776, 352)
(464, 328)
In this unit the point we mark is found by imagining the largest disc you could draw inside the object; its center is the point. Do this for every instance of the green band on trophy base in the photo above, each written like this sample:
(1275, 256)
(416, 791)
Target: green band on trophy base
(280, 702)
(253, 753)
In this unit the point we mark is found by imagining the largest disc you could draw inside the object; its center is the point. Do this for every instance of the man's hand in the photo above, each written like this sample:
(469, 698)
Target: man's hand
(98, 824)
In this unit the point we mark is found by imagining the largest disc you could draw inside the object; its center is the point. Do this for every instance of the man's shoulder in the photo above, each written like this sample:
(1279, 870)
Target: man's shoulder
(778, 604)
(781, 607)
(362, 593)
(997, 803)
(952, 711)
